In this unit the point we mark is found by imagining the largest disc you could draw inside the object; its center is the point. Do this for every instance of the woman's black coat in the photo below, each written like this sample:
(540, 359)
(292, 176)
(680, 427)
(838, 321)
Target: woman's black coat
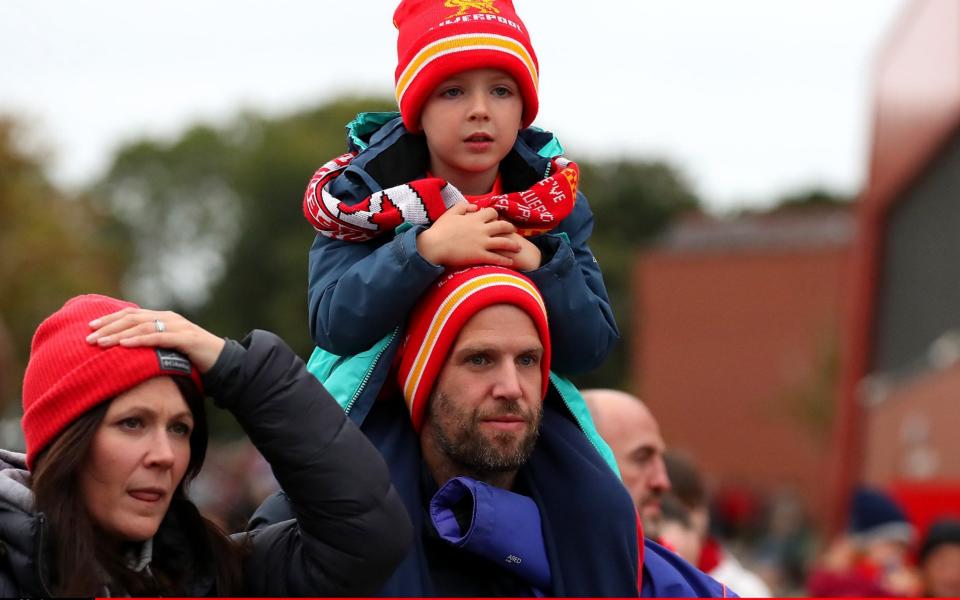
(350, 531)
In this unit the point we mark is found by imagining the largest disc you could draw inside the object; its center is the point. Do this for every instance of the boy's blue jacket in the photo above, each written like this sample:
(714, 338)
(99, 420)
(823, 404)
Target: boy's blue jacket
(358, 292)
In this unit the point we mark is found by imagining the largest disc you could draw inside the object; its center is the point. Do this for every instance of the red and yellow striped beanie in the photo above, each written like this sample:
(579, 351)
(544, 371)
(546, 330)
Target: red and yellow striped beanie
(439, 38)
(66, 376)
(443, 311)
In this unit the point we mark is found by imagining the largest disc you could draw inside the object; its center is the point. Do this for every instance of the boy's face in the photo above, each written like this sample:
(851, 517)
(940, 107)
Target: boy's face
(471, 121)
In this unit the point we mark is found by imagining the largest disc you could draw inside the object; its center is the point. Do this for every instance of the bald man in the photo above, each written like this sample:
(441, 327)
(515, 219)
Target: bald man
(634, 436)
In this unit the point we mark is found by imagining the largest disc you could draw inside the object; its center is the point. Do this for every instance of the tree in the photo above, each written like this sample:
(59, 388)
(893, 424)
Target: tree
(218, 229)
(52, 247)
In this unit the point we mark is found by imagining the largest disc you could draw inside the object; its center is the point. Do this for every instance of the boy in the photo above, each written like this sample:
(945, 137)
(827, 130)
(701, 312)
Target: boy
(467, 89)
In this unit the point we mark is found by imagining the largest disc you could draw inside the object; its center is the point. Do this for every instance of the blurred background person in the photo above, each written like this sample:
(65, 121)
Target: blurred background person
(713, 558)
(870, 559)
(676, 529)
(634, 436)
(939, 559)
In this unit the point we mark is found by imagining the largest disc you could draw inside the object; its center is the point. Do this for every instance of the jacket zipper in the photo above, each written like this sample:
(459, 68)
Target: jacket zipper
(41, 522)
(366, 376)
(577, 419)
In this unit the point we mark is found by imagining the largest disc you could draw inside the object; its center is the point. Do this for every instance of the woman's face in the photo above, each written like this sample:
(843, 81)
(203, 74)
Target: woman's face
(137, 458)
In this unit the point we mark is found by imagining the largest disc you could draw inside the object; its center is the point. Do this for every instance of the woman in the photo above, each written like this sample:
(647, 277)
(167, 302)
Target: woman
(115, 430)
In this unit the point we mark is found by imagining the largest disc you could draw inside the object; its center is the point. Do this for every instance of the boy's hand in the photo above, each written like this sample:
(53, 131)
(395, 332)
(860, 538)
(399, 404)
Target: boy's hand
(467, 235)
(528, 258)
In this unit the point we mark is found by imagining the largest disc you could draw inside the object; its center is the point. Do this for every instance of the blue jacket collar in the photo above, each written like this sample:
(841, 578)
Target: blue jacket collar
(389, 154)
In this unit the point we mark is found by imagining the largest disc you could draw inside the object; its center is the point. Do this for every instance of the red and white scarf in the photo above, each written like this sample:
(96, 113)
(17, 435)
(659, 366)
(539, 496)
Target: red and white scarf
(421, 202)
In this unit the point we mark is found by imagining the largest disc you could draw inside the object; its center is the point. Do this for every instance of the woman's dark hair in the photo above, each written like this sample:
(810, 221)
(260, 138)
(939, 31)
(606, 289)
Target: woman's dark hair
(79, 553)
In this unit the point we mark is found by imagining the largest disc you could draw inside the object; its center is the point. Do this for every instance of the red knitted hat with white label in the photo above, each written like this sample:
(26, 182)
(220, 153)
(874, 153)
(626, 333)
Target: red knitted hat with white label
(443, 311)
(66, 376)
(440, 38)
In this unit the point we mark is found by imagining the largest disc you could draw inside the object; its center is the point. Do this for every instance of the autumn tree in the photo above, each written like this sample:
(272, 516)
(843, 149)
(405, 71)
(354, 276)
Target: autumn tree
(52, 246)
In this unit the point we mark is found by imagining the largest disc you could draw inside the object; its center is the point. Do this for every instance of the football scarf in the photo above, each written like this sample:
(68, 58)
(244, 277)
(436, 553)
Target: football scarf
(421, 202)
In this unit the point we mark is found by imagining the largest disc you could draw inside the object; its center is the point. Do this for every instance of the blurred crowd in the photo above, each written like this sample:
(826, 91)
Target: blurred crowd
(236, 481)
(767, 544)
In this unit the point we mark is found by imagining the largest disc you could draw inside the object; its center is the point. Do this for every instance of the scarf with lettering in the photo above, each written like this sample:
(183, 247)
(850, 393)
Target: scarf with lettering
(421, 202)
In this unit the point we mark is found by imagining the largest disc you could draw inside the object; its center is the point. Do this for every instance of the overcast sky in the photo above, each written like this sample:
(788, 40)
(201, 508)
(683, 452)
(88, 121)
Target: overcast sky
(750, 98)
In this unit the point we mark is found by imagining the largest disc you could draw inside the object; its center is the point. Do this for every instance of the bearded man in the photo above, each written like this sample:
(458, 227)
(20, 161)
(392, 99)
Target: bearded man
(511, 490)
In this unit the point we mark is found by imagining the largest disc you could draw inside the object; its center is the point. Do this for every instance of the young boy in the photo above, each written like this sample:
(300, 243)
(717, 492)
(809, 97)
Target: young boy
(467, 83)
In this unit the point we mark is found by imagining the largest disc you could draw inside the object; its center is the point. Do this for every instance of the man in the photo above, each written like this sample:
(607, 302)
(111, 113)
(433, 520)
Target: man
(627, 425)
(498, 463)
(634, 435)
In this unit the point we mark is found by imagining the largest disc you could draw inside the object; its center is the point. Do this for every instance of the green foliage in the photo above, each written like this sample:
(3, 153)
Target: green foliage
(814, 197)
(268, 264)
(802, 199)
(52, 247)
(217, 220)
(216, 216)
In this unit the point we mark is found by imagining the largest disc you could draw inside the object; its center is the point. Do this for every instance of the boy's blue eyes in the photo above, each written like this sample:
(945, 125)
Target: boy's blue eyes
(499, 91)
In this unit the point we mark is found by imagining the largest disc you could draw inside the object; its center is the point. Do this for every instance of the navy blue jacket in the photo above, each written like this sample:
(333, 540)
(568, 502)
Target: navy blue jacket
(359, 292)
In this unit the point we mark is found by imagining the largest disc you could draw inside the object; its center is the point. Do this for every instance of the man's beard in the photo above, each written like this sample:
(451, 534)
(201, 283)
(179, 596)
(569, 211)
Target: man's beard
(460, 438)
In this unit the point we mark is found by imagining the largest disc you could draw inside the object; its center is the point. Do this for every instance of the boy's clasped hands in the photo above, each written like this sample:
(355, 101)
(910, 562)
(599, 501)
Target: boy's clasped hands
(467, 235)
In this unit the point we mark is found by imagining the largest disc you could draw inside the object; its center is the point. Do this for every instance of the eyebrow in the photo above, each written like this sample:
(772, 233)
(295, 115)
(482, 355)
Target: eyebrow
(538, 349)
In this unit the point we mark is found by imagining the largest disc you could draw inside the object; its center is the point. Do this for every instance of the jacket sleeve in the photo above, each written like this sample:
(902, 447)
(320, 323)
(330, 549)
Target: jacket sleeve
(351, 528)
(359, 292)
(582, 327)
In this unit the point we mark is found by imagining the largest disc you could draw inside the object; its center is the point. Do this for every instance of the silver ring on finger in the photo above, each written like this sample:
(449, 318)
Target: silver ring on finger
(159, 325)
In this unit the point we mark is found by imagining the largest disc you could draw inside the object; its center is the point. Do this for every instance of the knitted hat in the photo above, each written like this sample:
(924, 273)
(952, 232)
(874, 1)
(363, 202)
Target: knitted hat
(438, 39)
(443, 311)
(67, 376)
(942, 532)
(876, 516)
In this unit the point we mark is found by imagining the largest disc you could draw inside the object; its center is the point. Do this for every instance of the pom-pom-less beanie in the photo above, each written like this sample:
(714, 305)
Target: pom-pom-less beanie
(66, 376)
(442, 312)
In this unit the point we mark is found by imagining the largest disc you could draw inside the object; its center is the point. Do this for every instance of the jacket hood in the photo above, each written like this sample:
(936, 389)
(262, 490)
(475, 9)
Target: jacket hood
(390, 155)
(15, 481)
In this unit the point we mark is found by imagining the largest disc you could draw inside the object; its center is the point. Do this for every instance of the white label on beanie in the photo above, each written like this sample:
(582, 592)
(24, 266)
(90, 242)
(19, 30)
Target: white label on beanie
(171, 360)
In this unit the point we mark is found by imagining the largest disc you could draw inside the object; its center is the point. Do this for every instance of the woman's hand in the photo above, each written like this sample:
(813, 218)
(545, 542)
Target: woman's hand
(139, 327)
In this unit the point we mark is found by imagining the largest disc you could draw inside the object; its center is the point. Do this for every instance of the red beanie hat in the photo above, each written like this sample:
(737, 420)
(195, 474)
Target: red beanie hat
(66, 376)
(442, 312)
(438, 39)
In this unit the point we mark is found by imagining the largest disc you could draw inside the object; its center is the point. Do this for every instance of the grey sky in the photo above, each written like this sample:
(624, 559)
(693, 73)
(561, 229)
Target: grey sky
(750, 98)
